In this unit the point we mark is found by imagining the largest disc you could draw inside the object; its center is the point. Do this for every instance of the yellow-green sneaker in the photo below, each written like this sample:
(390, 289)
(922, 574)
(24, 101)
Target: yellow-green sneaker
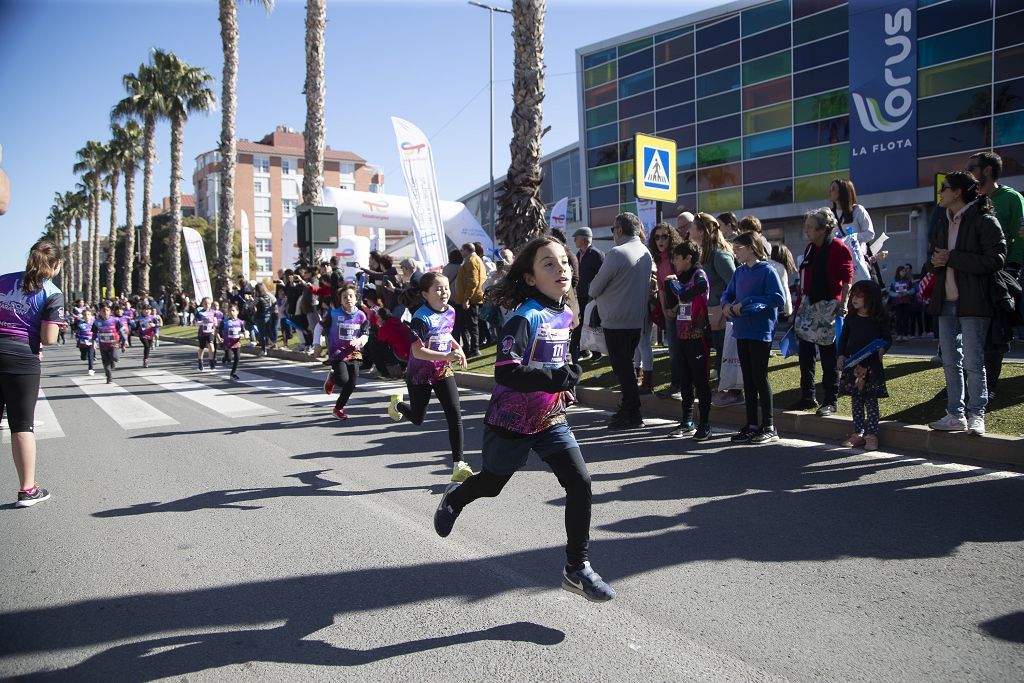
(393, 408)
(461, 472)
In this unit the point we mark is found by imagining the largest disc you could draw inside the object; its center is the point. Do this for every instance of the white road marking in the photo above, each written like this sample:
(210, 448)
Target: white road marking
(127, 410)
(212, 399)
(46, 425)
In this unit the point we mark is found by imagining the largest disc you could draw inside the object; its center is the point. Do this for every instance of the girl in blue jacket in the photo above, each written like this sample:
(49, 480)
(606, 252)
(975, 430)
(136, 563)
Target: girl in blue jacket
(752, 301)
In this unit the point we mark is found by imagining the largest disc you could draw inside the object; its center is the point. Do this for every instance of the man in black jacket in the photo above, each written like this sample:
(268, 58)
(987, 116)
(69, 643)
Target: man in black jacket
(590, 259)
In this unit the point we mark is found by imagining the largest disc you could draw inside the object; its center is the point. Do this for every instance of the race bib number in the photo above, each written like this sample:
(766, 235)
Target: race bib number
(550, 347)
(685, 313)
(107, 338)
(206, 328)
(442, 343)
(347, 331)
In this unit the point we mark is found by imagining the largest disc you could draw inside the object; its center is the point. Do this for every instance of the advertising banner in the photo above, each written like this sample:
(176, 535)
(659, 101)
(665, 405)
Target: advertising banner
(353, 252)
(245, 245)
(558, 214)
(197, 263)
(647, 212)
(421, 183)
(883, 95)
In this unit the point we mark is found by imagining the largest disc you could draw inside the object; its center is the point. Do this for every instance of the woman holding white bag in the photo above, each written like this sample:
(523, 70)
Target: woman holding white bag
(855, 226)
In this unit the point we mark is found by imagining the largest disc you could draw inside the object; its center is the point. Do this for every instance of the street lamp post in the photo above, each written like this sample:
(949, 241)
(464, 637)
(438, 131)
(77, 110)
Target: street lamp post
(490, 14)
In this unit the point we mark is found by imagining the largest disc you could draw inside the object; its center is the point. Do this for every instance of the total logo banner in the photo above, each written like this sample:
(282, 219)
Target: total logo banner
(883, 95)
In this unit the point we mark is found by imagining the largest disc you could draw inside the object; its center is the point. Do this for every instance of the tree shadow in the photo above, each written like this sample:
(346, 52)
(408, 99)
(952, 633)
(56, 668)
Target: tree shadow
(1009, 627)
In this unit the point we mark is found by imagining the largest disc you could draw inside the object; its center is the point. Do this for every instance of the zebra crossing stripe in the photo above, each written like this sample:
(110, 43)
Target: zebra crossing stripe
(211, 399)
(304, 394)
(127, 410)
(46, 425)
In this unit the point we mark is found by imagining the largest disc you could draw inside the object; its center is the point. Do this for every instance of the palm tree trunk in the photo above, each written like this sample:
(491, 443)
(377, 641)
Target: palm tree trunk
(228, 153)
(78, 257)
(174, 255)
(112, 237)
(315, 132)
(146, 237)
(128, 258)
(94, 264)
(92, 241)
(521, 214)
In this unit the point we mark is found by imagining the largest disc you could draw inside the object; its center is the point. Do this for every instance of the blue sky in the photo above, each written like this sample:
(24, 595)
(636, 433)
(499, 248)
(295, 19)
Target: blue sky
(61, 64)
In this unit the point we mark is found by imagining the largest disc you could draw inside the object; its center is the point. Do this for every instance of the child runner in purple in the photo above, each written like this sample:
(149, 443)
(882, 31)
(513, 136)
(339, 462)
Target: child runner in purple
(533, 384)
(84, 338)
(206, 324)
(107, 333)
(430, 367)
(231, 331)
(147, 325)
(346, 327)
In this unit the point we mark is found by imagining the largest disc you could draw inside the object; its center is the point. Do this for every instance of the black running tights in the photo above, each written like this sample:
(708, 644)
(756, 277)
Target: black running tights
(109, 358)
(345, 379)
(694, 372)
(447, 392)
(233, 354)
(147, 344)
(754, 365)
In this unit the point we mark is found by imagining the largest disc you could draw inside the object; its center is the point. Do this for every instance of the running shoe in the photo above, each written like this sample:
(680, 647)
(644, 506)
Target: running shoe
(92, 372)
(461, 472)
(975, 425)
(329, 385)
(145, 363)
(583, 580)
(393, 411)
(744, 435)
(30, 498)
(110, 380)
(201, 367)
(764, 435)
(703, 432)
(445, 515)
(684, 429)
(340, 413)
(949, 423)
(233, 375)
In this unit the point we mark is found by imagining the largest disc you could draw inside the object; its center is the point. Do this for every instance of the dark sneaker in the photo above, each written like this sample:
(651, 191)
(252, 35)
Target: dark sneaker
(445, 515)
(670, 392)
(583, 580)
(804, 404)
(28, 499)
(201, 368)
(744, 435)
(627, 421)
(703, 432)
(233, 375)
(826, 410)
(684, 429)
(765, 435)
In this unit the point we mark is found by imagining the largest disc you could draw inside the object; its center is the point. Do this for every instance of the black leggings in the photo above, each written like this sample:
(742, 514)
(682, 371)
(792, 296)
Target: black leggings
(18, 394)
(109, 358)
(447, 392)
(344, 373)
(147, 344)
(754, 365)
(233, 354)
(88, 353)
(694, 370)
(572, 474)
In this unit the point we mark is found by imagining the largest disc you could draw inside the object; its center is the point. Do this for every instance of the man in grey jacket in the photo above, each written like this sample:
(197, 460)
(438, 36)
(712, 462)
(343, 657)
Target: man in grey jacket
(621, 289)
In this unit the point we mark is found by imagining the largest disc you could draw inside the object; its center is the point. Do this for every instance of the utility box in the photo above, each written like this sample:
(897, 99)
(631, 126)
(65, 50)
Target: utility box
(316, 228)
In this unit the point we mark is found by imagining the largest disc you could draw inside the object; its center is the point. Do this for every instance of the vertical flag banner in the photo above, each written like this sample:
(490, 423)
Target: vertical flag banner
(421, 183)
(647, 212)
(558, 214)
(197, 263)
(883, 95)
(245, 245)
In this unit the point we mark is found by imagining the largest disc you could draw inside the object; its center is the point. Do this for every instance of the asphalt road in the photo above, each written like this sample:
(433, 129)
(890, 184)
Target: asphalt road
(249, 535)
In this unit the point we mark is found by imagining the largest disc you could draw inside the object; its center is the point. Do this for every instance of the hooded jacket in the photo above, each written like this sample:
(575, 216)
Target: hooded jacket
(979, 252)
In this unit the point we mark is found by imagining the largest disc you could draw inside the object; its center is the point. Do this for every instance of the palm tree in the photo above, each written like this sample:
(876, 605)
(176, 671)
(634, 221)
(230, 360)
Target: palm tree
(112, 165)
(89, 160)
(75, 208)
(126, 145)
(145, 101)
(521, 212)
(185, 91)
(315, 132)
(55, 228)
(228, 146)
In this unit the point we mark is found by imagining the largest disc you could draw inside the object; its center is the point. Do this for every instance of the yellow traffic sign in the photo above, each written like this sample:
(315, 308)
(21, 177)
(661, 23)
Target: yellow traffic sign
(655, 168)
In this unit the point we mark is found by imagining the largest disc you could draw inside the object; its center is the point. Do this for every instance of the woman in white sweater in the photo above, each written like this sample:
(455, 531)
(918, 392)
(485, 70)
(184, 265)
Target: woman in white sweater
(853, 219)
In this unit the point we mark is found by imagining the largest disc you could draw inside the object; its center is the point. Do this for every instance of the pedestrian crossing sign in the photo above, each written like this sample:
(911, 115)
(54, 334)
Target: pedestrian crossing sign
(655, 168)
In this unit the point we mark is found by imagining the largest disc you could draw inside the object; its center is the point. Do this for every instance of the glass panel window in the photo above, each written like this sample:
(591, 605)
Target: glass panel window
(768, 144)
(927, 168)
(603, 218)
(718, 57)
(638, 61)
(766, 93)
(626, 150)
(718, 201)
(1009, 96)
(821, 79)
(717, 177)
(820, 25)
(602, 115)
(669, 35)
(639, 104)
(720, 81)
(630, 48)
(262, 244)
(261, 164)
(686, 159)
(263, 264)
(1009, 128)
(955, 76)
(602, 136)
(1013, 159)
(675, 117)
(259, 186)
(684, 137)
(288, 206)
(954, 137)
(718, 33)
(604, 196)
(602, 156)
(760, 18)
(767, 68)
(626, 171)
(819, 52)
(768, 194)
(827, 132)
(677, 93)
(967, 41)
(687, 182)
(766, 43)
(606, 175)
(636, 83)
(719, 105)
(950, 15)
(287, 167)
(1008, 32)
(957, 106)
(638, 124)
(769, 118)
(821, 159)
(674, 71)
(821, 106)
(769, 168)
(602, 94)
(719, 129)
(261, 204)
(601, 57)
(719, 153)
(812, 188)
(674, 48)
(805, 8)
(627, 193)
(1007, 6)
(600, 74)
(1009, 63)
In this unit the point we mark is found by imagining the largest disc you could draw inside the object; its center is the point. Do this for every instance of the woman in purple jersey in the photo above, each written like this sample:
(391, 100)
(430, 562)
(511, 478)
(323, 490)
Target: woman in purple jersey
(31, 313)
(533, 386)
(346, 335)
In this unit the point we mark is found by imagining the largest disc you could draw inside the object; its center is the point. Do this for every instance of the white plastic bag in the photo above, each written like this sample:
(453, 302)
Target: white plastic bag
(861, 271)
(730, 376)
(592, 338)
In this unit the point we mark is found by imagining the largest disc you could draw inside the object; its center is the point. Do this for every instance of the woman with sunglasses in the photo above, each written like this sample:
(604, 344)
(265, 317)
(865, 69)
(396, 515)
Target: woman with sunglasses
(663, 240)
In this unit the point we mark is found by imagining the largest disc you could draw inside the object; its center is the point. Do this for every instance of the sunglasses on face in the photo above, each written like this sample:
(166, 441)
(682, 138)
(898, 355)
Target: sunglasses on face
(661, 236)
(943, 187)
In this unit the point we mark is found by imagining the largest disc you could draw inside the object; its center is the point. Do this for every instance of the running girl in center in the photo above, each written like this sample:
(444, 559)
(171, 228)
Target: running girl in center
(431, 356)
(346, 334)
(533, 382)
(107, 333)
(148, 326)
(84, 339)
(230, 334)
(206, 322)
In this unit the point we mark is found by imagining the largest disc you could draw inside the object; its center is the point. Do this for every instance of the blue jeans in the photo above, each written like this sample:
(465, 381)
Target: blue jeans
(962, 341)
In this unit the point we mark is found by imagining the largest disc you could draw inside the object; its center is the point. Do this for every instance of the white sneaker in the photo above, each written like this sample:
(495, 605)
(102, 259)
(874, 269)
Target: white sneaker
(976, 425)
(949, 423)
(92, 372)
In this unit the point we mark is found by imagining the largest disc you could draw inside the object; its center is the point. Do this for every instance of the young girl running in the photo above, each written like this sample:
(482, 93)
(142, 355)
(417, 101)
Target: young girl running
(431, 355)
(147, 326)
(752, 301)
(84, 339)
(206, 322)
(230, 334)
(123, 324)
(107, 333)
(346, 334)
(527, 407)
(864, 381)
